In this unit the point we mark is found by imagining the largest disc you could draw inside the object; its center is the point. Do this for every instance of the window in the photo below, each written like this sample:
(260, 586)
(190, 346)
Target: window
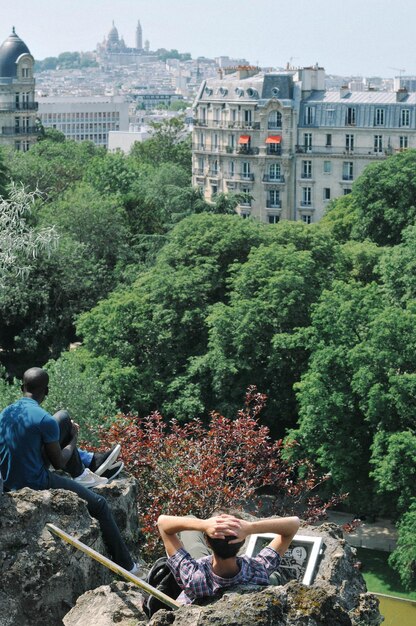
(350, 116)
(346, 191)
(404, 142)
(349, 142)
(201, 140)
(274, 171)
(25, 72)
(306, 169)
(215, 141)
(201, 165)
(405, 117)
(214, 190)
(17, 145)
(306, 196)
(247, 117)
(327, 167)
(274, 199)
(309, 116)
(273, 219)
(307, 141)
(214, 168)
(245, 169)
(378, 143)
(328, 142)
(275, 120)
(307, 219)
(347, 170)
(327, 194)
(231, 141)
(379, 117)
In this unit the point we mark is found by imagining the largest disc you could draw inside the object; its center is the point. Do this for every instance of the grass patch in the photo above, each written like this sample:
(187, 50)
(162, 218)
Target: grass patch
(379, 576)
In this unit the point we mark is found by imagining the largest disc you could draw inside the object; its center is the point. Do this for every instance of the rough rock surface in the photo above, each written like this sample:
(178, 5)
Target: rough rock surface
(337, 597)
(41, 577)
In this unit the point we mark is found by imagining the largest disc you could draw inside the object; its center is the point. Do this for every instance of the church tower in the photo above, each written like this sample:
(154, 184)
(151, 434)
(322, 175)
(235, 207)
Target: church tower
(139, 36)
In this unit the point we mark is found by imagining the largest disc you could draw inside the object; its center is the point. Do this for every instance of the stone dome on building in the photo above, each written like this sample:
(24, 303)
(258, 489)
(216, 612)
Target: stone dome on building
(10, 50)
(113, 35)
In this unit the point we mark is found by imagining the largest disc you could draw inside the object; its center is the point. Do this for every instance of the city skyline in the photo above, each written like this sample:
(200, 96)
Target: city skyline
(371, 39)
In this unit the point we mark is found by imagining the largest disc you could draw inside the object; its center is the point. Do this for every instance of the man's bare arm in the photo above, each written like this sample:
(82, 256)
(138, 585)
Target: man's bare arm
(285, 528)
(216, 527)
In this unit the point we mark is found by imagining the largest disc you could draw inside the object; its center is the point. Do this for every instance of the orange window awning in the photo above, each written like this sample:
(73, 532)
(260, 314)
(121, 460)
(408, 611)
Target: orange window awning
(244, 139)
(274, 139)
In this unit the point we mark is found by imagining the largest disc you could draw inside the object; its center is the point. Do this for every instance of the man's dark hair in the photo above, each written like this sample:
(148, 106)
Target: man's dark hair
(222, 548)
(35, 380)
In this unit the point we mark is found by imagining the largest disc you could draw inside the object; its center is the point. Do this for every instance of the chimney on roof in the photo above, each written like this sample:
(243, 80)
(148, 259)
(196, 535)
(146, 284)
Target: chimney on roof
(401, 94)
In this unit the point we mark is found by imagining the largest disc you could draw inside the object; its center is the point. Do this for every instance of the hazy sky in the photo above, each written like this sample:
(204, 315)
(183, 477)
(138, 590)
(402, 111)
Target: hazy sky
(361, 37)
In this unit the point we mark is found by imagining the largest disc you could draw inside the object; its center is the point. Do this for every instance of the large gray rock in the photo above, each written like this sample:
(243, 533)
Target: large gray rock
(338, 597)
(41, 577)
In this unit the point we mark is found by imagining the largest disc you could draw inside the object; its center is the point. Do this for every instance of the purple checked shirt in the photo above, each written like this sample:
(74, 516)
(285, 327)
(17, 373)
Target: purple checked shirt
(197, 579)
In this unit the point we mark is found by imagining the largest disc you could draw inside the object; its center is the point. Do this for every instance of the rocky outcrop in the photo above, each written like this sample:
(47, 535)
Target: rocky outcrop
(41, 577)
(337, 597)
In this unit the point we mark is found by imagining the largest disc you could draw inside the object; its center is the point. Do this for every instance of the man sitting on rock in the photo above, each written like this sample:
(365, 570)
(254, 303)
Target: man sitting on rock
(201, 575)
(31, 439)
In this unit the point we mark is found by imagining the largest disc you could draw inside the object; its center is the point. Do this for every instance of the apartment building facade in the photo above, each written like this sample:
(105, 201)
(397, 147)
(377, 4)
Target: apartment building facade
(18, 109)
(286, 145)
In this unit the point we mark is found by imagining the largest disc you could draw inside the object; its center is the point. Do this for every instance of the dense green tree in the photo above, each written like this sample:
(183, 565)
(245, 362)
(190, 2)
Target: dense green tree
(146, 334)
(382, 203)
(169, 142)
(403, 559)
(51, 167)
(4, 174)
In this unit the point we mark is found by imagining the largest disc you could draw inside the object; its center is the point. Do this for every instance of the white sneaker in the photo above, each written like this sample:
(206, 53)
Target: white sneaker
(89, 479)
(109, 459)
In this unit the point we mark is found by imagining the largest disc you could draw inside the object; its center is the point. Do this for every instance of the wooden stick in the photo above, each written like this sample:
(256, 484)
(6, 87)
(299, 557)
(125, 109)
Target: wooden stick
(113, 566)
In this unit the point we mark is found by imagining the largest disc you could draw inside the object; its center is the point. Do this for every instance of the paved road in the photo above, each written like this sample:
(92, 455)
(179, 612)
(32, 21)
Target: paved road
(380, 535)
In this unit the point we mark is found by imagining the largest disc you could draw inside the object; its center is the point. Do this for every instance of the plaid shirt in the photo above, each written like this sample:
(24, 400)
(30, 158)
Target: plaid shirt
(197, 579)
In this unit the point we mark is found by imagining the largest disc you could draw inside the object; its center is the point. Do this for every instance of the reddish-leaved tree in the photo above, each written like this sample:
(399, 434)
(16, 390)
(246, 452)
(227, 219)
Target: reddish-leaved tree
(194, 469)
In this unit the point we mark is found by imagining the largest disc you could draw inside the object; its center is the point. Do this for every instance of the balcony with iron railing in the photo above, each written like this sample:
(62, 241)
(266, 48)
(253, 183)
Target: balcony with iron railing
(16, 107)
(245, 149)
(19, 130)
(274, 150)
(267, 178)
(245, 176)
(273, 204)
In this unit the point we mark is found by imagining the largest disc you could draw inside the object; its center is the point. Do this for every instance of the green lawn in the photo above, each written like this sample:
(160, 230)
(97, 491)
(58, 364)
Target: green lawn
(379, 576)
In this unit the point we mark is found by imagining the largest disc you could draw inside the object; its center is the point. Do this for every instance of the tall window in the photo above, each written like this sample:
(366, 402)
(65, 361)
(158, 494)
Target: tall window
(274, 199)
(350, 116)
(214, 141)
(404, 142)
(274, 171)
(201, 140)
(306, 169)
(247, 117)
(327, 194)
(378, 143)
(405, 117)
(349, 142)
(231, 168)
(306, 196)
(327, 167)
(347, 170)
(328, 142)
(379, 117)
(275, 120)
(245, 169)
(201, 165)
(309, 116)
(273, 219)
(307, 219)
(307, 142)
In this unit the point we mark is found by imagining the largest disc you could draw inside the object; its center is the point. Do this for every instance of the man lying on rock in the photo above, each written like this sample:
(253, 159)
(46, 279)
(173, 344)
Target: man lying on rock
(202, 574)
(31, 440)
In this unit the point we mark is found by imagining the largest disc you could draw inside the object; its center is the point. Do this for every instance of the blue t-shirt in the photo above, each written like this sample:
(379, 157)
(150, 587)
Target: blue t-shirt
(24, 428)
